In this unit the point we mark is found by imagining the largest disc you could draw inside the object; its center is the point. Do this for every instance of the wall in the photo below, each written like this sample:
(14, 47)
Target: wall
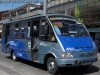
(2, 13)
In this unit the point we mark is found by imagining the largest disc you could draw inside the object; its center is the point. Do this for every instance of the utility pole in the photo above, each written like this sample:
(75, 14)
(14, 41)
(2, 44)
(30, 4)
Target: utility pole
(9, 12)
(44, 6)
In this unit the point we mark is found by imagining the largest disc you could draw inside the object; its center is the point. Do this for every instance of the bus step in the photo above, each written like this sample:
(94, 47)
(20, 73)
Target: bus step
(36, 61)
(7, 50)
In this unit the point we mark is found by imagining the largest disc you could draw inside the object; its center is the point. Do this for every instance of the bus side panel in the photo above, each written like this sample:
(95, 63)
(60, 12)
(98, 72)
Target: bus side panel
(22, 48)
(44, 48)
(21, 54)
(3, 45)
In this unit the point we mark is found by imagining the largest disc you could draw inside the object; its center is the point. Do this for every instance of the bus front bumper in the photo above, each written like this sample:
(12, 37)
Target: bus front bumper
(76, 61)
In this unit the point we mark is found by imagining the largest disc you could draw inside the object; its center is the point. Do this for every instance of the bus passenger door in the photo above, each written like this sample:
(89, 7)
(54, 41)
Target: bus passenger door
(35, 39)
(5, 37)
(44, 44)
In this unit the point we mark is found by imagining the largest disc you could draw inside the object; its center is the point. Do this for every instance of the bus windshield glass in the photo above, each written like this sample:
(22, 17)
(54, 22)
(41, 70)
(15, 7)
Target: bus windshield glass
(66, 26)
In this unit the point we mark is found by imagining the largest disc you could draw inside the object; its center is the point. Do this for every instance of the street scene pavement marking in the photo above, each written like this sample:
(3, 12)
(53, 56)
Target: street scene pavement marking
(7, 71)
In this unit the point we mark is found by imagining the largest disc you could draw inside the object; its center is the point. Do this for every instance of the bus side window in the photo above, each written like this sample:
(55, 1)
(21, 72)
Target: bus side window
(12, 30)
(44, 30)
(25, 29)
(12, 33)
(3, 30)
(22, 32)
(28, 30)
(16, 33)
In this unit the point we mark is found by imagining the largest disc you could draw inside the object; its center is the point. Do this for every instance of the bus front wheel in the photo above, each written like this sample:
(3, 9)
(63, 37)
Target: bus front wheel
(52, 66)
(14, 57)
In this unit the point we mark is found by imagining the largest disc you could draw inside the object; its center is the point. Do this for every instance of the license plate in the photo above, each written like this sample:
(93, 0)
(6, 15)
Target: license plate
(85, 64)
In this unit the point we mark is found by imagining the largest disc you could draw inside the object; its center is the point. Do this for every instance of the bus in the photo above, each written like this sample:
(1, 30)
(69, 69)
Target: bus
(56, 40)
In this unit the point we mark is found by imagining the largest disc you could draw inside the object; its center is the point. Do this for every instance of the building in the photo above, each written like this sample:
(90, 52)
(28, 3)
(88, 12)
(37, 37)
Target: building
(20, 12)
(87, 11)
(1, 13)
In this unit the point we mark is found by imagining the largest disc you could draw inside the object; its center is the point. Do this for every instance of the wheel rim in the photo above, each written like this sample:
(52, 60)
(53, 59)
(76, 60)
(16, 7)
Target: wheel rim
(14, 57)
(51, 66)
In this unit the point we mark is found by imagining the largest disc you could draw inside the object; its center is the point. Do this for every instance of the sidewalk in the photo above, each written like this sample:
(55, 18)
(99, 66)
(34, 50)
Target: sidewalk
(98, 56)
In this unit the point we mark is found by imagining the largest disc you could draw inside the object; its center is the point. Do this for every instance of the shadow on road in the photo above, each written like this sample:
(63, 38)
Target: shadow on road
(78, 71)
(63, 71)
(30, 63)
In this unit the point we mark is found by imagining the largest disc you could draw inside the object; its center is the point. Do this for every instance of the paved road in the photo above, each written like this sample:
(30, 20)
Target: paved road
(24, 67)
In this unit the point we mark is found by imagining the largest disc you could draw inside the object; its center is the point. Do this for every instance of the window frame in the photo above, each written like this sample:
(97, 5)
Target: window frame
(50, 28)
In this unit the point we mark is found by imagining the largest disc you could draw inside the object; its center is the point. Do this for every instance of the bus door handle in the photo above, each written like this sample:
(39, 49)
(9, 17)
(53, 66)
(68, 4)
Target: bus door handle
(35, 45)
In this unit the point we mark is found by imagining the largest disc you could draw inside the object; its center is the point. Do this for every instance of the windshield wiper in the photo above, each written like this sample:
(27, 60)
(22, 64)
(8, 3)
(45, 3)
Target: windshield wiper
(83, 34)
(66, 34)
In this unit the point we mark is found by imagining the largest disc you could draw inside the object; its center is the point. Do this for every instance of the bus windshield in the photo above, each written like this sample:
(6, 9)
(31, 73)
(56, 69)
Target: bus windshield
(66, 26)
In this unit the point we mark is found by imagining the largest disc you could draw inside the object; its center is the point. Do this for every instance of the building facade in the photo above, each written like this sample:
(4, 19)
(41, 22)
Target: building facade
(20, 12)
(1, 13)
(87, 11)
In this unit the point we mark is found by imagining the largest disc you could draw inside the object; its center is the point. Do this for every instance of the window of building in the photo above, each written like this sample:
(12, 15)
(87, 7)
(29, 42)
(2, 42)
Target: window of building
(97, 10)
(53, 3)
(56, 9)
(48, 1)
(61, 1)
(22, 11)
(48, 5)
(91, 12)
(71, 0)
(83, 1)
(13, 14)
(65, 1)
(83, 12)
(61, 10)
(71, 9)
(57, 2)
(52, 10)
(6, 16)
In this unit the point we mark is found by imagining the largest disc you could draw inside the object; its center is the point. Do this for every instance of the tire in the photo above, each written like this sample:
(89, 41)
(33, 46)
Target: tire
(14, 57)
(84, 67)
(52, 66)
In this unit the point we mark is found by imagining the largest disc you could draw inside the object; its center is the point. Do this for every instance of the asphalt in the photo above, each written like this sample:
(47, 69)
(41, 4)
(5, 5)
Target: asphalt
(3, 73)
(7, 71)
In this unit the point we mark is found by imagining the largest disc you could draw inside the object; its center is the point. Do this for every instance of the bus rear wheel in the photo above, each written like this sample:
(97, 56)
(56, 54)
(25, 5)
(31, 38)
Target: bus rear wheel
(14, 57)
(52, 66)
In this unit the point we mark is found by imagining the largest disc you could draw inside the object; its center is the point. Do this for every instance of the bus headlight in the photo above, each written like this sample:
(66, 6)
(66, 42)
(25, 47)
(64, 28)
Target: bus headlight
(64, 54)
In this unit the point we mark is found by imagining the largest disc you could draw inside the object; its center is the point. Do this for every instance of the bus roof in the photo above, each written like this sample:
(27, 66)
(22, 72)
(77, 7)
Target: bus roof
(35, 16)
